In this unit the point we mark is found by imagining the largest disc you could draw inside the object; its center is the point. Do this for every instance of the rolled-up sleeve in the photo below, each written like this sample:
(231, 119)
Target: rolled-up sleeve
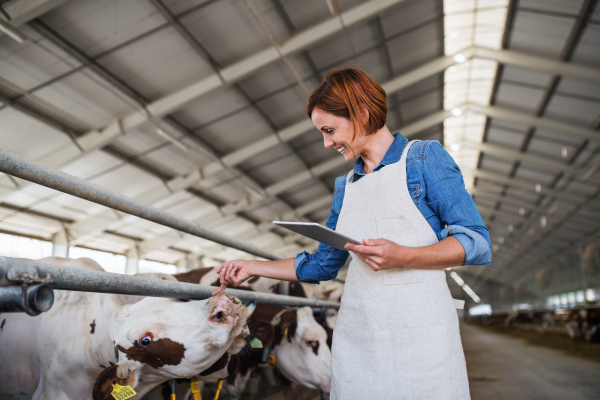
(327, 261)
(448, 198)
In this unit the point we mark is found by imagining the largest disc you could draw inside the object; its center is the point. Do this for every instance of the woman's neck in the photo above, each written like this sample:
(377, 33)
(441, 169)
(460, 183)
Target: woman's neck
(375, 148)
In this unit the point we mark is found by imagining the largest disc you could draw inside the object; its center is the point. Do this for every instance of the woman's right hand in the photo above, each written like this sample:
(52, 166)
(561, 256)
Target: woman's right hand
(232, 273)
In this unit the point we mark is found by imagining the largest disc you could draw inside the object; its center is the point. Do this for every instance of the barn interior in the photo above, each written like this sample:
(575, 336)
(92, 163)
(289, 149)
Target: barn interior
(198, 108)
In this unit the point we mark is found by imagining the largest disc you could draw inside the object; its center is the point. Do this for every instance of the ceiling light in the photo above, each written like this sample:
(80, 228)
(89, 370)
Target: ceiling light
(538, 187)
(452, 69)
(460, 58)
(455, 147)
(453, 35)
(11, 31)
(495, 247)
(543, 221)
(457, 278)
(457, 112)
(565, 152)
(451, 96)
(501, 239)
(521, 211)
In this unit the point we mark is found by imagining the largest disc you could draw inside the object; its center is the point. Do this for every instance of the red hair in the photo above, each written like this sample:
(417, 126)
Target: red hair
(350, 93)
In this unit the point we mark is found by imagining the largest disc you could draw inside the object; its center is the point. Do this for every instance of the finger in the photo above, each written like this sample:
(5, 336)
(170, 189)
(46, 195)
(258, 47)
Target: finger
(372, 250)
(231, 274)
(373, 242)
(227, 273)
(373, 265)
(222, 267)
(235, 275)
(219, 289)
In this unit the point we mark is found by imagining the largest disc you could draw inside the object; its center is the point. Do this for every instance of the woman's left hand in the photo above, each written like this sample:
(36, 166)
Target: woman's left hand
(382, 254)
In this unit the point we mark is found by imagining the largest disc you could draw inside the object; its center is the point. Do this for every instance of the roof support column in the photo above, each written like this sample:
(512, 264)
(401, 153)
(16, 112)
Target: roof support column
(133, 258)
(60, 244)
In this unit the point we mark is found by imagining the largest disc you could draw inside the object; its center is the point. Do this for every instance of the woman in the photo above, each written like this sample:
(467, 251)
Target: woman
(397, 333)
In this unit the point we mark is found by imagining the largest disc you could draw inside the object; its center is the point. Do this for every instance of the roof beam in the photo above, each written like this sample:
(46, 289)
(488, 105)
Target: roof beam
(23, 11)
(545, 64)
(524, 184)
(531, 120)
(524, 158)
(158, 108)
(96, 139)
(95, 224)
(293, 181)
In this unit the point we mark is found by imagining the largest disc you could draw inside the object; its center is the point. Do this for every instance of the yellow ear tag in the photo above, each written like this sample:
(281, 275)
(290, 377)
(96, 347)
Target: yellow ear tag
(285, 335)
(195, 388)
(271, 359)
(122, 392)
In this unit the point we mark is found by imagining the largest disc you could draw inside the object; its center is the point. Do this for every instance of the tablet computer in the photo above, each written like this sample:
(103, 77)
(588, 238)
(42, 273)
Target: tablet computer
(318, 232)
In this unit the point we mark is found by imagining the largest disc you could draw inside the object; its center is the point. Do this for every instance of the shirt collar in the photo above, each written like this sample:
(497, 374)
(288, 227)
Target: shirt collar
(392, 156)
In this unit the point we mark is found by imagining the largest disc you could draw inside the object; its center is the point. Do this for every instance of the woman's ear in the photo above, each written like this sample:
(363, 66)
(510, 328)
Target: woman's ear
(111, 375)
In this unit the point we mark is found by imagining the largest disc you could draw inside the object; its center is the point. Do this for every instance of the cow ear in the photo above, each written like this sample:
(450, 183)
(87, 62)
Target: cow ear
(104, 384)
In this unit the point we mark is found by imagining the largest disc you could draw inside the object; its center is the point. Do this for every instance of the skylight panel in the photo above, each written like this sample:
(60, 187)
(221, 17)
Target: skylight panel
(469, 23)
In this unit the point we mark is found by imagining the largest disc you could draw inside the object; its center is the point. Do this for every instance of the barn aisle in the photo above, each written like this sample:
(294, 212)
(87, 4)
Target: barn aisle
(505, 368)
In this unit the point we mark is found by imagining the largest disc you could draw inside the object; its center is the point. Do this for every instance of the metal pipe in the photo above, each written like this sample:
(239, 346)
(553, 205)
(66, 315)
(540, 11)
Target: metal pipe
(32, 299)
(77, 279)
(32, 171)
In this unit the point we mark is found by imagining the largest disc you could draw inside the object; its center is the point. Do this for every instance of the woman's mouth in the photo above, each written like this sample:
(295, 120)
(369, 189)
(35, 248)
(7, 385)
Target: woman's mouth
(341, 149)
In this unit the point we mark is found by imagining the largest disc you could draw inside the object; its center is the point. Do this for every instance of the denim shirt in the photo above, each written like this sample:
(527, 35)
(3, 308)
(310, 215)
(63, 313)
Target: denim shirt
(436, 186)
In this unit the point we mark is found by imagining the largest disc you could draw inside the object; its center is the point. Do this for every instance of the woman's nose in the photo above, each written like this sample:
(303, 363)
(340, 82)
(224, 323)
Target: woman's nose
(327, 142)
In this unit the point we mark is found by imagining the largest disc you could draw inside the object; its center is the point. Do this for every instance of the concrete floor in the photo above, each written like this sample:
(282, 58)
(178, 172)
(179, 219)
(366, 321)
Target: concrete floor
(505, 368)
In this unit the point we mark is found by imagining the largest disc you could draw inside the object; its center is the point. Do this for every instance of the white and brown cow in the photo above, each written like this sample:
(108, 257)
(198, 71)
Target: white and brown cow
(69, 351)
(300, 344)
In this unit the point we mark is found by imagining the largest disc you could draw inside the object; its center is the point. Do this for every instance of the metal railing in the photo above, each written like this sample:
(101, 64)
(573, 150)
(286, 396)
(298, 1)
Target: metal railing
(26, 285)
(32, 171)
(21, 271)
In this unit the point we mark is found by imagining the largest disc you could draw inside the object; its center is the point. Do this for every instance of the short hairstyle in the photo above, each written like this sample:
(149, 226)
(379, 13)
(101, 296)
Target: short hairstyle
(349, 93)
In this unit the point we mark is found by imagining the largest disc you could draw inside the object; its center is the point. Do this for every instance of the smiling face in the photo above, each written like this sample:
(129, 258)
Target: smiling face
(337, 133)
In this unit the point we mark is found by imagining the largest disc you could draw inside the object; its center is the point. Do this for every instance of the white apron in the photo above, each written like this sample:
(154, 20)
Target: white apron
(396, 336)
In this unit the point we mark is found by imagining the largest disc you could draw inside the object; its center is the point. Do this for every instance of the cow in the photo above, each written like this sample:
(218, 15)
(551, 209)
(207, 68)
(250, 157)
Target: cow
(293, 358)
(88, 342)
(299, 347)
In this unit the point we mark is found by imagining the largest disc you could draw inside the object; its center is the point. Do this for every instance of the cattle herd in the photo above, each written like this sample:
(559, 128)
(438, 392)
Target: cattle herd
(89, 344)
(580, 322)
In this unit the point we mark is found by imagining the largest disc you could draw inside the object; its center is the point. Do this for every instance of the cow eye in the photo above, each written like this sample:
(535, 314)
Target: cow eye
(311, 343)
(146, 341)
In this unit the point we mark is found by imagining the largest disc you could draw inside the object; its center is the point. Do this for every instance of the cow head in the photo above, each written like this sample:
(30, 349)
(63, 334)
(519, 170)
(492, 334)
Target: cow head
(301, 351)
(159, 339)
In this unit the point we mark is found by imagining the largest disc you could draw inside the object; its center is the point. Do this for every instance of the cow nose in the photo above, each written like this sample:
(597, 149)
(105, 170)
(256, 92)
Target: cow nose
(225, 309)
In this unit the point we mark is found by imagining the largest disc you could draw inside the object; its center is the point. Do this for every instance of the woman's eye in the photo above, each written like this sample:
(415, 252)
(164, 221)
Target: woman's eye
(146, 341)
(329, 131)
